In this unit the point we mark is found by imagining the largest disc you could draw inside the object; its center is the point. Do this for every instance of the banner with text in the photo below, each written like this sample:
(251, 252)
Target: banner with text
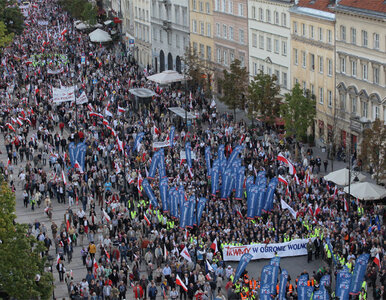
(262, 251)
(63, 95)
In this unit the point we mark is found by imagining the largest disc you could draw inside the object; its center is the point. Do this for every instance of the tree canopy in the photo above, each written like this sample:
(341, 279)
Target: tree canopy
(20, 255)
(81, 10)
(298, 111)
(5, 37)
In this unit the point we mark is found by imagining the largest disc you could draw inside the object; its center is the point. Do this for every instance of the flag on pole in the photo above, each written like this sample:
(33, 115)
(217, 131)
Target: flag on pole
(317, 210)
(345, 204)
(284, 205)
(239, 213)
(121, 109)
(166, 253)
(64, 31)
(181, 283)
(185, 254)
(214, 246)
(64, 178)
(377, 260)
(146, 219)
(210, 268)
(106, 216)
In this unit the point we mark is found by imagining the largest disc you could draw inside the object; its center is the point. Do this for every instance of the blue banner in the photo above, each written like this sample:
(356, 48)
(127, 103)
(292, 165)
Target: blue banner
(275, 262)
(153, 165)
(325, 280)
(244, 261)
(283, 285)
(138, 140)
(171, 136)
(302, 285)
(321, 294)
(252, 202)
(192, 210)
(77, 153)
(184, 214)
(225, 184)
(221, 154)
(149, 192)
(342, 288)
(181, 197)
(188, 154)
(359, 274)
(223, 166)
(269, 195)
(214, 179)
(163, 190)
(161, 164)
(265, 292)
(234, 154)
(331, 250)
(240, 175)
(200, 209)
(171, 202)
(267, 277)
(207, 160)
(260, 200)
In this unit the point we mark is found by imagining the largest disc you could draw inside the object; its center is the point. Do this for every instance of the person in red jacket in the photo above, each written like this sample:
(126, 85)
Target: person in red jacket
(138, 292)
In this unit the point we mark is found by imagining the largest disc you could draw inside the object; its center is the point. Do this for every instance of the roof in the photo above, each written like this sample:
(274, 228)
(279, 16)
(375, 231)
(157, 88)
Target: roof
(323, 5)
(369, 5)
(313, 13)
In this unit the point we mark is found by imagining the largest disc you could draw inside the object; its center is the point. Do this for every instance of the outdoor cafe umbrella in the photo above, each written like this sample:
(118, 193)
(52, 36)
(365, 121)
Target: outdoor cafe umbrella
(99, 36)
(341, 177)
(166, 77)
(366, 191)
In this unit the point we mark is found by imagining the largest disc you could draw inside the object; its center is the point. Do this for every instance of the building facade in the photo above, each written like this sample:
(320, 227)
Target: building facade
(142, 32)
(360, 68)
(313, 60)
(269, 39)
(170, 34)
(230, 18)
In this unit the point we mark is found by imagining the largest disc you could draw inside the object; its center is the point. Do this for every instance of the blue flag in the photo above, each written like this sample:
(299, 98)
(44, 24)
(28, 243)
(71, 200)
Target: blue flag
(184, 214)
(171, 135)
(153, 165)
(188, 154)
(215, 180)
(302, 285)
(161, 164)
(265, 292)
(343, 281)
(325, 280)
(234, 154)
(221, 155)
(266, 275)
(77, 153)
(149, 192)
(359, 274)
(252, 201)
(240, 175)
(275, 262)
(207, 159)
(225, 185)
(283, 284)
(192, 210)
(138, 140)
(163, 190)
(200, 209)
(269, 195)
(244, 261)
(321, 294)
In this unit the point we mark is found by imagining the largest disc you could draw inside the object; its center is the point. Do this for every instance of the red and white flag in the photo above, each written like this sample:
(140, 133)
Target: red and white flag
(190, 172)
(310, 209)
(181, 283)
(317, 210)
(297, 179)
(210, 268)
(95, 267)
(10, 126)
(58, 259)
(146, 219)
(106, 217)
(185, 254)
(345, 204)
(78, 167)
(121, 109)
(239, 213)
(377, 260)
(166, 253)
(156, 130)
(283, 180)
(214, 246)
(64, 31)
(291, 167)
(64, 178)
(94, 114)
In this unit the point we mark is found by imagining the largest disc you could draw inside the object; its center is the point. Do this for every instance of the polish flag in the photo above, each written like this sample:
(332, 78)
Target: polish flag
(335, 192)
(105, 122)
(214, 246)
(166, 253)
(13, 120)
(64, 178)
(90, 108)
(239, 213)
(210, 268)
(58, 259)
(64, 31)
(310, 210)
(156, 130)
(291, 167)
(146, 219)
(129, 179)
(297, 179)
(242, 139)
(95, 267)
(67, 224)
(190, 172)
(207, 276)
(282, 180)
(107, 254)
(106, 216)
(10, 126)
(121, 109)
(18, 120)
(345, 204)
(181, 283)
(94, 114)
(317, 210)
(185, 254)
(78, 167)
(377, 260)
(139, 182)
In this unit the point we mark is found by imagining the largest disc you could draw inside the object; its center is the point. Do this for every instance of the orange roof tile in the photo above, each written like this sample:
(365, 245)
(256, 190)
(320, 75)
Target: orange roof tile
(374, 5)
(317, 4)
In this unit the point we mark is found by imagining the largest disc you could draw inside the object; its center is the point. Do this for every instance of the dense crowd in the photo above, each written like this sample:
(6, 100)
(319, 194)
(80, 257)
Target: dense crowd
(105, 214)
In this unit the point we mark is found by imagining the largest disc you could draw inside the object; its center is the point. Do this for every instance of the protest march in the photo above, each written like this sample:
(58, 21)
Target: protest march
(158, 209)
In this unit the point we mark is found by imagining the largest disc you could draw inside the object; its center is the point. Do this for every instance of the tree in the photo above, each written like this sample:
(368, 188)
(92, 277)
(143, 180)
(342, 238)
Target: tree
(234, 85)
(20, 255)
(11, 16)
(263, 92)
(373, 149)
(82, 10)
(90, 13)
(193, 68)
(298, 111)
(5, 37)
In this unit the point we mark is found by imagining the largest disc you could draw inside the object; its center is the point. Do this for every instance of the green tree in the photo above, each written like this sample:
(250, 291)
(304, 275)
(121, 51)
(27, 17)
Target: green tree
(373, 149)
(5, 37)
(298, 111)
(234, 86)
(21, 262)
(90, 13)
(193, 68)
(263, 97)
(11, 16)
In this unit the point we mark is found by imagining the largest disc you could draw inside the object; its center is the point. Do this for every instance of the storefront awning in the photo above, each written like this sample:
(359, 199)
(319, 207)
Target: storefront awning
(179, 111)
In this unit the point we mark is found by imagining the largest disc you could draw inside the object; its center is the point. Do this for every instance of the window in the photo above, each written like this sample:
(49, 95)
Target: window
(329, 36)
(225, 31)
(218, 33)
(376, 41)
(224, 4)
(376, 112)
(343, 65)
(329, 67)
(283, 19)
(276, 45)
(261, 41)
(364, 38)
(254, 68)
(241, 10)
(269, 44)
(202, 27)
(195, 47)
(320, 34)
(312, 62)
(261, 14)
(343, 102)
(354, 68)
(202, 51)
(262, 68)
(230, 7)
(304, 84)
(194, 4)
(218, 55)
(303, 29)
(209, 53)
(343, 33)
(276, 18)
(207, 7)
(296, 58)
(312, 89)
(232, 56)
(353, 36)
(269, 71)
(209, 29)
(225, 57)
(304, 59)
(242, 60)
(177, 41)
(194, 25)
(253, 12)
(353, 104)
(296, 80)
(284, 48)
(160, 36)
(284, 79)
(241, 36)
(295, 27)
(277, 74)
(254, 40)
(329, 98)
(201, 5)
(268, 15)
(312, 33)
(321, 95)
(365, 71)
(231, 33)
(376, 74)
(321, 67)
(216, 5)
(364, 109)
(169, 38)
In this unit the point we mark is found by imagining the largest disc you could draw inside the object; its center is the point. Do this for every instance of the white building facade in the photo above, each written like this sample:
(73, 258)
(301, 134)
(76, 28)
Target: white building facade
(142, 32)
(169, 34)
(269, 40)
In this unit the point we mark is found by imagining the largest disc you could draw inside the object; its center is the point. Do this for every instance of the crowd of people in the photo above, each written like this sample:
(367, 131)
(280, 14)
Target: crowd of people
(105, 204)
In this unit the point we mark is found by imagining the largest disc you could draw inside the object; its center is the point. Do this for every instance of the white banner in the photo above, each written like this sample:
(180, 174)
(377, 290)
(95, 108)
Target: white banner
(63, 95)
(164, 144)
(82, 98)
(183, 155)
(42, 23)
(54, 72)
(261, 251)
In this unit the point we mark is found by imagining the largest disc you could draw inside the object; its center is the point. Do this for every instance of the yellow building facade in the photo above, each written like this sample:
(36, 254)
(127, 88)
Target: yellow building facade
(313, 63)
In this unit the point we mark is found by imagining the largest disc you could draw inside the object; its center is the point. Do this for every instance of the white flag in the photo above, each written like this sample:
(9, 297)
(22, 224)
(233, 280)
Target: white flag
(284, 205)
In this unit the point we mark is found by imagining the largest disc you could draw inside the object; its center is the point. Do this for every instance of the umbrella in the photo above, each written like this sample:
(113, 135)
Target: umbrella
(366, 191)
(166, 77)
(82, 26)
(340, 177)
(99, 36)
